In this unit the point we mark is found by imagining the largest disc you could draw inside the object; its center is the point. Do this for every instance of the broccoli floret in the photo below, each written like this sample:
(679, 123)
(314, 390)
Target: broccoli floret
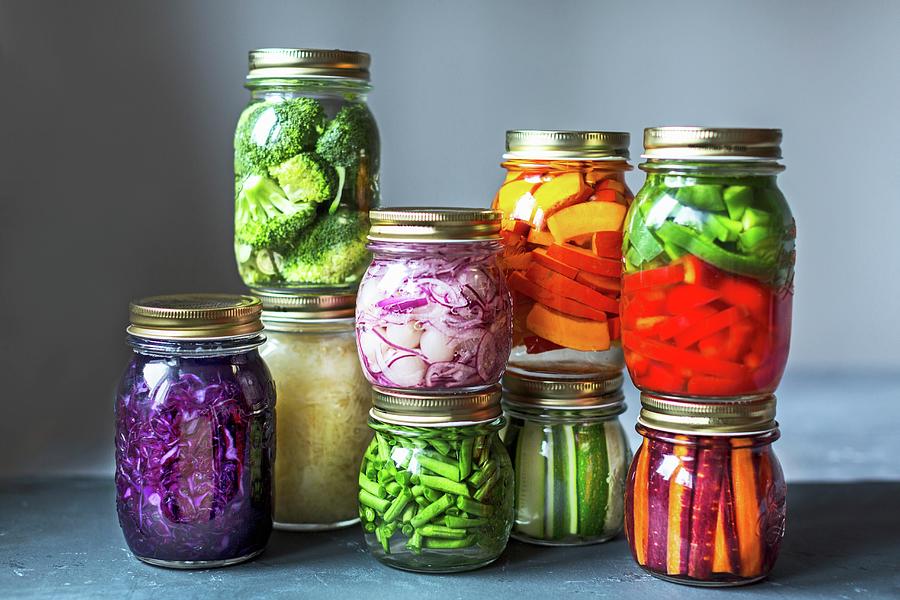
(306, 178)
(265, 218)
(351, 134)
(269, 133)
(331, 252)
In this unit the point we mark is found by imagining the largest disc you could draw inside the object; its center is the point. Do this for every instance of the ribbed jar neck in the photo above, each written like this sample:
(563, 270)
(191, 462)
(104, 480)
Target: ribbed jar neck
(713, 168)
(436, 248)
(444, 430)
(196, 348)
(567, 164)
(561, 415)
(348, 89)
(736, 440)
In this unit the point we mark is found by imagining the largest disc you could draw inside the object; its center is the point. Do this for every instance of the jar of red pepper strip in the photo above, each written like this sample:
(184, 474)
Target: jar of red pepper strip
(709, 264)
(564, 201)
(705, 496)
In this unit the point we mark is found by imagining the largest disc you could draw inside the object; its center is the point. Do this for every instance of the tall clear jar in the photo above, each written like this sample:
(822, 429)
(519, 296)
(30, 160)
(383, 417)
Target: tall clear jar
(306, 159)
(570, 456)
(433, 312)
(323, 405)
(563, 203)
(705, 499)
(436, 483)
(709, 264)
(195, 432)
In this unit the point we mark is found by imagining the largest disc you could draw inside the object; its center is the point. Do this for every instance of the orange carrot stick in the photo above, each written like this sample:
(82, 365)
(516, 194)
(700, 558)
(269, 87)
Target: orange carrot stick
(746, 508)
(641, 491)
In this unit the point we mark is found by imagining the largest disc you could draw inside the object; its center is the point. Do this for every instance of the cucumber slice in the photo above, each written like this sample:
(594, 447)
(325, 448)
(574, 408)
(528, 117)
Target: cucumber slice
(619, 456)
(530, 479)
(567, 479)
(550, 505)
(592, 481)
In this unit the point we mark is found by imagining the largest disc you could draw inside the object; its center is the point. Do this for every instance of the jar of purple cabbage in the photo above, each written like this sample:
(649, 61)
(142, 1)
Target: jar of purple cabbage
(433, 312)
(195, 439)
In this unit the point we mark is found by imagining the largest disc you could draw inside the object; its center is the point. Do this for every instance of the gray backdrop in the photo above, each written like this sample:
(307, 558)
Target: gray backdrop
(115, 147)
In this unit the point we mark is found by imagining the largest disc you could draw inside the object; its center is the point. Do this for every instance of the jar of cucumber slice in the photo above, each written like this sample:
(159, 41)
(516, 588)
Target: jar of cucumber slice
(436, 483)
(570, 456)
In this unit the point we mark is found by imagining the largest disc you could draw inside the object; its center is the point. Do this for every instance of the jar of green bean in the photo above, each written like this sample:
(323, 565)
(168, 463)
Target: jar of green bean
(436, 483)
(570, 456)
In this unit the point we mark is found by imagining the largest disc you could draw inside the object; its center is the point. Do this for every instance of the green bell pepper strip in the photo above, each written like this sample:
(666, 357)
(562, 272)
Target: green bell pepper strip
(714, 255)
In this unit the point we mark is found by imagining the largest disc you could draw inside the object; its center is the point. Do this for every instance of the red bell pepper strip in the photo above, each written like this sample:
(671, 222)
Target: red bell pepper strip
(685, 359)
(738, 343)
(679, 323)
(704, 385)
(753, 296)
(668, 275)
(697, 272)
(658, 377)
(709, 326)
(682, 298)
(615, 328)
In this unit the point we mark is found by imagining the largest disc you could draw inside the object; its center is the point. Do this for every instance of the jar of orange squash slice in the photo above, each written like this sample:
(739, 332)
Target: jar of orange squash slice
(563, 202)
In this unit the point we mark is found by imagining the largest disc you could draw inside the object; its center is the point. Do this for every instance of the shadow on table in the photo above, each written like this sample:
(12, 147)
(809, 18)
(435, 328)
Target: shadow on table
(841, 532)
(286, 547)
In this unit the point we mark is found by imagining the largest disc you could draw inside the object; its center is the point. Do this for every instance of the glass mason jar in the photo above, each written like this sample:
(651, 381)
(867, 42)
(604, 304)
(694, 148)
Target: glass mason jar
(563, 203)
(436, 483)
(433, 311)
(306, 154)
(705, 499)
(195, 432)
(570, 456)
(323, 404)
(709, 261)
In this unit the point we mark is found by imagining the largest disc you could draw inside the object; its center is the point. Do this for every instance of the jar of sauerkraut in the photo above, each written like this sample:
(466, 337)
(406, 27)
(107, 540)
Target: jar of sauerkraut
(322, 410)
(433, 311)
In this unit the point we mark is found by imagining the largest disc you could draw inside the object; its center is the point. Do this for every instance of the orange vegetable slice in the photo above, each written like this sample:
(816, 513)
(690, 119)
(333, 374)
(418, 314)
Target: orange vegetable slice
(518, 283)
(542, 258)
(607, 244)
(517, 262)
(540, 238)
(586, 217)
(515, 199)
(568, 331)
(561, 191)
(604, 284)
(585, 260)
(563, 286)
(609, 195)
(611, 184)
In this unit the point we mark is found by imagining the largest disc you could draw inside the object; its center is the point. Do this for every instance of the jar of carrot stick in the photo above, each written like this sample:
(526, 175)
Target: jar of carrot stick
(564, 201)
(705, 496)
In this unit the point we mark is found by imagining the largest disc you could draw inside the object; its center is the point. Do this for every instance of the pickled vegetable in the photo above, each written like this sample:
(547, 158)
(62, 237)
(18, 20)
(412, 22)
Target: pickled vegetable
(436, 498)
(570, 480)
(705, 509)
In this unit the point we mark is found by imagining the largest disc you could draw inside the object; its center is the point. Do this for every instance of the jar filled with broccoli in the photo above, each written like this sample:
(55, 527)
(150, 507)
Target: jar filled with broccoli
(436, 483)
(306, 156)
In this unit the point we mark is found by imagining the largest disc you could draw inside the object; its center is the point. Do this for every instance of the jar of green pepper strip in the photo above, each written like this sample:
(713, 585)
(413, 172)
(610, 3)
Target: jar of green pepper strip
(436, 483)
(709, 265)
(570, 456)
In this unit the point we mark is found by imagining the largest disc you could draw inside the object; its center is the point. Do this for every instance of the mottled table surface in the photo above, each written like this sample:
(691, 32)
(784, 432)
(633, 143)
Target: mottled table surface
(59, 539)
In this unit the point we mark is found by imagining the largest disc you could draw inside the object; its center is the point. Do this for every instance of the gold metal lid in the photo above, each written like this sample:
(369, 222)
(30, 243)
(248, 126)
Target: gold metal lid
(586, 392)
(711, 143)
(430, 224)
(281, 307)
(290, 63)
(423, 410)
(572, 145)
(715, 416)
(195, 316)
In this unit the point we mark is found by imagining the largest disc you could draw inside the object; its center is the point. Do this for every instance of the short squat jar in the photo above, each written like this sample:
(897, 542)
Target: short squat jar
(705, 499)
(323, 405)
(570, 456)
(436, 483)
(563, 202)
(306, 154)
(709, 265)
(195, 432)
(433, 312)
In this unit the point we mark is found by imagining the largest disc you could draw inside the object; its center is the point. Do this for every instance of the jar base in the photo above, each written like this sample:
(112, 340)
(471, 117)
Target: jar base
(561, 544)
(299, 527)
(708, 584)
(198, 564)
(437, 570)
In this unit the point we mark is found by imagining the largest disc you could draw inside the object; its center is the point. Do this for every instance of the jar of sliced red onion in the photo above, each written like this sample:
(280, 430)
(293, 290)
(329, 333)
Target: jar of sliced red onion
(433, 311)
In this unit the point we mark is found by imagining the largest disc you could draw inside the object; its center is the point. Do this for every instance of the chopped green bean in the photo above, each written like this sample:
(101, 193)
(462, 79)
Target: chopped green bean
(441, 446)
(396, 508)
(440, 467)
(476, 508)
(445, 485)
(465, 458)
(371, 486)
(373, 501)
(393, 488)
(432, 510)
(442, 531)
(482, 492)
(460, 522)
(437, 543)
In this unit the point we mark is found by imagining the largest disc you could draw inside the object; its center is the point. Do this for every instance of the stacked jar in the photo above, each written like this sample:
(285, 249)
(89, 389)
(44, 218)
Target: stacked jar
(306, 161)
(433, 327)
(706, 314)
(564, 201)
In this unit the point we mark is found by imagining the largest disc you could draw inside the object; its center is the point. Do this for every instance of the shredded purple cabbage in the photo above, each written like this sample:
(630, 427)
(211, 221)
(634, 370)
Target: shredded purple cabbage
(434, 317)
(194, 456)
